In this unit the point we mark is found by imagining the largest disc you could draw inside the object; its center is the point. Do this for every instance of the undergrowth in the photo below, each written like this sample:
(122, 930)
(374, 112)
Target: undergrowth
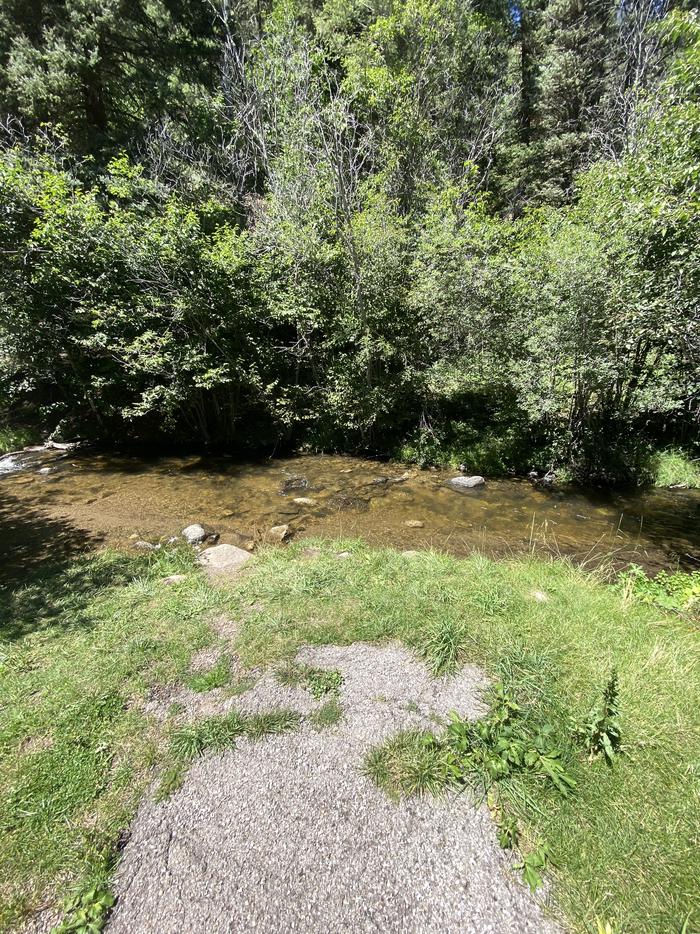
(679, 592)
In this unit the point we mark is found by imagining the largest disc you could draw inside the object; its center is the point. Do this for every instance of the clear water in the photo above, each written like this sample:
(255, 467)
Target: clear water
(65, 502)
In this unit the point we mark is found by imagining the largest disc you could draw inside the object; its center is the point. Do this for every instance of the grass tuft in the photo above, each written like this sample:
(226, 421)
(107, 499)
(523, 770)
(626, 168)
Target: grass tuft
(217, 676)
(328, 715)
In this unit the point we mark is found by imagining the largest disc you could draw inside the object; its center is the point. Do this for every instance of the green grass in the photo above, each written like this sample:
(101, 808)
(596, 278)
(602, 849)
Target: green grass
(217, 733)
(13, 439)
(674, 468)
(84, 642)
(217, 676)
(625, 844)
(80, 645)
(327, 715)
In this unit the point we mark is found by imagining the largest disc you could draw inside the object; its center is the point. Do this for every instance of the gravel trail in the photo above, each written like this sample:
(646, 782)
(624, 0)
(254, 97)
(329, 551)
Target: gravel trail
(286, 835)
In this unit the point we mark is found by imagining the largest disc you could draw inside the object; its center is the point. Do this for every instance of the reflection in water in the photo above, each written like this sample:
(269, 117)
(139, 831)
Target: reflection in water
(114, 497)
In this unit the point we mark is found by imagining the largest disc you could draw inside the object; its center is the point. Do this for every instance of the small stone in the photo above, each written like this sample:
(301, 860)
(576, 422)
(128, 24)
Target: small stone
(414, 524)
(540, 596)
(45, 470)
(466, 483)
(227, 514)
(145, 546)
(133, 537)
(194, 534)
(174, 579)
(410, 553)
(304, 501)
(279, 533)
(342, 555)
(223, 559)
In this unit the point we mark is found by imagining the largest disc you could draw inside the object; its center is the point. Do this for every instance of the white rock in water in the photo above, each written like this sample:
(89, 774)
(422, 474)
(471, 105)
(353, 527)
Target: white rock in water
(194, 534)
(466, 483)
(223, 559)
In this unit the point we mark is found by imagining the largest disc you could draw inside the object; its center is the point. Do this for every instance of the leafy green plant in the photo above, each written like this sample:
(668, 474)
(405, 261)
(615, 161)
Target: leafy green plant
(679, 591)
(533, 865)
(600, 733)
(480, 753)
(322, 682)
(87, 911)
(493, 748)
(507, 824)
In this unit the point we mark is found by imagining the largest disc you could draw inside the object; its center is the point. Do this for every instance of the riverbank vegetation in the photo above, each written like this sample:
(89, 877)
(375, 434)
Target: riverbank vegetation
(87, 643)
(675, 469)
(457, 230)
(14, 439)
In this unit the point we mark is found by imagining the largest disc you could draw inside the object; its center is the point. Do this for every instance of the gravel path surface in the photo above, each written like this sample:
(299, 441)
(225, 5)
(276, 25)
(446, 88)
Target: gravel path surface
(286, 835)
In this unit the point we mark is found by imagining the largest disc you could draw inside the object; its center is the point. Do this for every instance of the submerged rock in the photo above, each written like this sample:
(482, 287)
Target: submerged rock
(344, 501)
(294, 483)
(304, 501)
(466, 483)
(223, 559)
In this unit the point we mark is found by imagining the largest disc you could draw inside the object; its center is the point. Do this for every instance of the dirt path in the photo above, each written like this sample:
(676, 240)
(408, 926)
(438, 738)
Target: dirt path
(286, 834)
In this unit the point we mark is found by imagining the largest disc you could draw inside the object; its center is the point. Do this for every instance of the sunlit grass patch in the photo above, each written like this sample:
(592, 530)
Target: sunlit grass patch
(81, 643)
(674, 468)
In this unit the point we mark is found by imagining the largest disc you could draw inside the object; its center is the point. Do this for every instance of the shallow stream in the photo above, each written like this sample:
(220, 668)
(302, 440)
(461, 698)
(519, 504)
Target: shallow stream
(53, 502)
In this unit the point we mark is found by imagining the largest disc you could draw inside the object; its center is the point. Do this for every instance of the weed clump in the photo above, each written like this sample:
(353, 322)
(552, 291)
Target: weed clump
(600, 734)
(319, 681)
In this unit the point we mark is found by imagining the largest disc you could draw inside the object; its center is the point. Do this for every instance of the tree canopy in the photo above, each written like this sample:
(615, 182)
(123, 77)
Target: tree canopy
(392, 225)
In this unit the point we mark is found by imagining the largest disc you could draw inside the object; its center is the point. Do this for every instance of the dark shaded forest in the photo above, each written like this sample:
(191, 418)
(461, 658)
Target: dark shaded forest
(429, 228)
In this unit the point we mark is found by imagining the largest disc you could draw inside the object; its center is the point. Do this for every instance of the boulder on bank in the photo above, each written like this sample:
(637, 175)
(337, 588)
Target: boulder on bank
(196, 534)
(466, 483)
(223, 559)
(279, 533)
